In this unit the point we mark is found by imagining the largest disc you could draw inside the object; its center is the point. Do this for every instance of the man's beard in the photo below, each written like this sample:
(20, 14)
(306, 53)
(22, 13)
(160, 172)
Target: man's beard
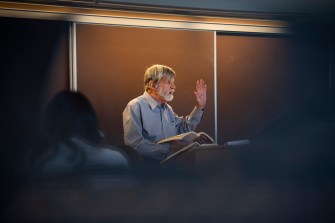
(166, 96)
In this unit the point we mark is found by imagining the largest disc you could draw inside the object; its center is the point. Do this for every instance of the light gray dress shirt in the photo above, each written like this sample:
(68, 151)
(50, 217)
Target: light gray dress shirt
(145, 122)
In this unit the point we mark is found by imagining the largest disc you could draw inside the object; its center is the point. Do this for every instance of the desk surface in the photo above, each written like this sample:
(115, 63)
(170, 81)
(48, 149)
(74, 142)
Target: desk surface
(211, 156)
(218, 155)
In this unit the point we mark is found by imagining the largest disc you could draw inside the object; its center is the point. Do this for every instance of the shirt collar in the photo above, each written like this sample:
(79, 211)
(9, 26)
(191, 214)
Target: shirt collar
(153, 103)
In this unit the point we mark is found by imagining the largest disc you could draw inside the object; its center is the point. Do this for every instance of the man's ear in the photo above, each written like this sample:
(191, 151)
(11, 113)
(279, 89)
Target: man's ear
(152, 85)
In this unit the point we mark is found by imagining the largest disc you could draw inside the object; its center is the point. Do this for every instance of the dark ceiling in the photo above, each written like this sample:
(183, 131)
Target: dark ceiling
(318, 10)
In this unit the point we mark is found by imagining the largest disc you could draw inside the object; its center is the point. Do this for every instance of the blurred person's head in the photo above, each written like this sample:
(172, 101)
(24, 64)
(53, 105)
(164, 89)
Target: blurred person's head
(70, 114)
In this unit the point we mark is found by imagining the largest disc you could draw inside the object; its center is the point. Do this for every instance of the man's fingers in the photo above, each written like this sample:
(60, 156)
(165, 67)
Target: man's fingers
(200, 85)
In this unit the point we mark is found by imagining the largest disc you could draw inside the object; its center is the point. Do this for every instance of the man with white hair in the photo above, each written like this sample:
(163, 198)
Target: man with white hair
(148, 119)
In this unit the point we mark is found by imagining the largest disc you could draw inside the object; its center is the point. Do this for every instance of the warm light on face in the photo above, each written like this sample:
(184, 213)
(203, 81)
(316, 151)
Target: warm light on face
(166, 88)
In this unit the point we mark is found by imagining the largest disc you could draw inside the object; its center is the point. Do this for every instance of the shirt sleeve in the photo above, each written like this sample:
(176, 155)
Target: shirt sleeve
(190, 122)
(132, 126)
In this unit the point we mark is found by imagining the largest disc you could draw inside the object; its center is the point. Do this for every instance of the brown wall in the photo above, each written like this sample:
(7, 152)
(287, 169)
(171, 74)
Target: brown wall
(261, 78)
(112, 61)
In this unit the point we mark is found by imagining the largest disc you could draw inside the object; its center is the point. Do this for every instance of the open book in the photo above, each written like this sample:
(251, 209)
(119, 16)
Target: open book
(195, 139)
(190, 137)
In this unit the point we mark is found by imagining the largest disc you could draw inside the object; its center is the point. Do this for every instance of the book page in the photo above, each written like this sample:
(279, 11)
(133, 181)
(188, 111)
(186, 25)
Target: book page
(190, 146)
(209, 139)
(187, 137)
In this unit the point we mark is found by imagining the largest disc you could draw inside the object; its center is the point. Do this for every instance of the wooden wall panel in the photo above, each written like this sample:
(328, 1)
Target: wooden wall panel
(112, 61)
(263, 78)
(257, 82)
